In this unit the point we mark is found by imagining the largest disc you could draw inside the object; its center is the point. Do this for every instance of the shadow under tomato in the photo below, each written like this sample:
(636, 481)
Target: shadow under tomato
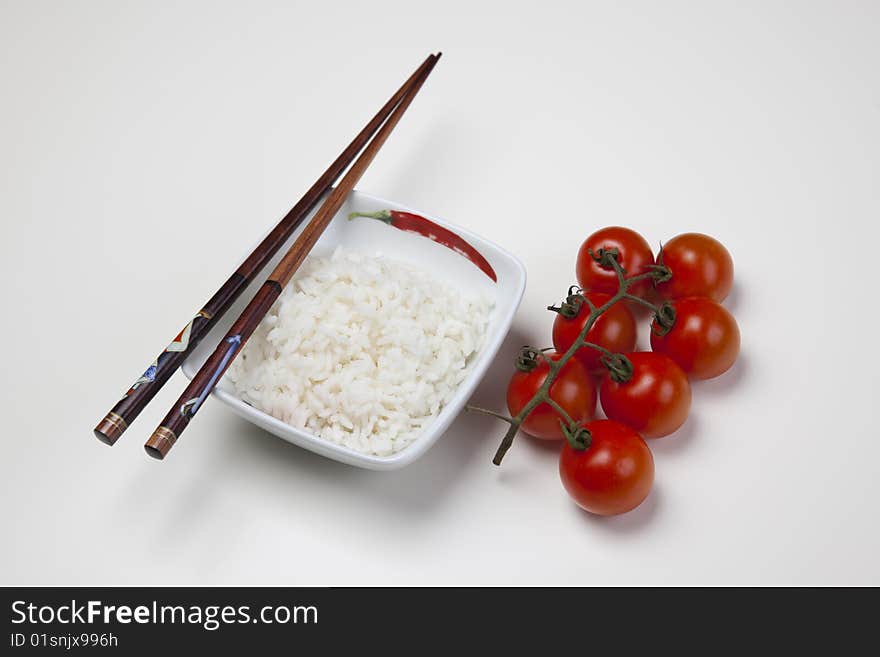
(733, 299)
(725, 383)
(541, 447)
(678, 441)
(536, 458)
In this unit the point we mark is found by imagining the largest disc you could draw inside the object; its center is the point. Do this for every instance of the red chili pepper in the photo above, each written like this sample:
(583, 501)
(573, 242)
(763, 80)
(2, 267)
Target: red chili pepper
(413, 223)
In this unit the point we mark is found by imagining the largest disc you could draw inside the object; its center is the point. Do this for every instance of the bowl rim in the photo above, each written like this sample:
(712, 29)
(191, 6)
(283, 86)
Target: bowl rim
(431, 433)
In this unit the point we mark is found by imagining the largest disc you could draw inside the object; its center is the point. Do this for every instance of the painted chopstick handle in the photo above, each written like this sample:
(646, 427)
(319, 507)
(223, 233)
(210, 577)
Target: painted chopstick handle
(160, 370)
(189, 403)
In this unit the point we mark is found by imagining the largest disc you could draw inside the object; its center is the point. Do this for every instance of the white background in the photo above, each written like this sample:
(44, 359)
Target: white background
(143, 146)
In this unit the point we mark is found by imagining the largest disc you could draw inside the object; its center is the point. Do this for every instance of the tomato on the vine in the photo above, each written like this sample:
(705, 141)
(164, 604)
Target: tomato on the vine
(655, 398)
(634, 255)
(613, 474)
(700, 267)
(573, 390)
(703, 337)
(615, 330)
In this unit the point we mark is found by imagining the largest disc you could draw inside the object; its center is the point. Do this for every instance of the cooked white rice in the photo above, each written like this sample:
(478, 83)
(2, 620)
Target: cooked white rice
(361, 351)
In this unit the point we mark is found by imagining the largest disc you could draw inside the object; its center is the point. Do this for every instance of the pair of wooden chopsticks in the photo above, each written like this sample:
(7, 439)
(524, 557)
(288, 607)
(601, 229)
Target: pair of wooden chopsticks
(145, 388)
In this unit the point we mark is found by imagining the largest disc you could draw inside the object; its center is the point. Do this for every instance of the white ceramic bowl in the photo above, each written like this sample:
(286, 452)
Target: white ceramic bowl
(372, 237)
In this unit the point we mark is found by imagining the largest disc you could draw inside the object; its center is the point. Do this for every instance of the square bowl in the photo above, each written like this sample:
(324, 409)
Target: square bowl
(372, 238)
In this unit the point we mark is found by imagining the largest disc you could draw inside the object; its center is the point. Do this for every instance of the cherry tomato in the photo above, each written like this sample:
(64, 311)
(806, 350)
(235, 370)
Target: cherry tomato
(573, 390)
(655, 401)
(614, 329)
(703, 340)
(700, 266)
(635, 256)
(613, 475)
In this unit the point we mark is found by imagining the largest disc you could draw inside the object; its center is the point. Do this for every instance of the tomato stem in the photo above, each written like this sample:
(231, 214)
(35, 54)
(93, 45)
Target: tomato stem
(565, 416)
(640, 301)
(605, 257)
(571, 307)
(579, 438)
(574, 434)
(659, 271)
(500, 416)
(620, 368)
(664, 319)
(593, 345)
(527, 360)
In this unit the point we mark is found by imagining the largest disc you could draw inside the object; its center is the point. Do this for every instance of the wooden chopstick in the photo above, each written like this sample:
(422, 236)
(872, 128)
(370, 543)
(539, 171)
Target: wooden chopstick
(180, 415)
(145, 388)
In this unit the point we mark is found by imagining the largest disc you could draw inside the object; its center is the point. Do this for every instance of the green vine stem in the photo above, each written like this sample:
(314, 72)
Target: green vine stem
(576, 435)
(566, 418)
(640, 301)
